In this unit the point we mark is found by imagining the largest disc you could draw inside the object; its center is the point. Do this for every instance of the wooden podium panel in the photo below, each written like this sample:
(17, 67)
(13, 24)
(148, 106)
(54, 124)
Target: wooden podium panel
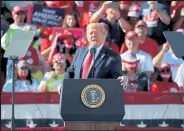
(91, 126)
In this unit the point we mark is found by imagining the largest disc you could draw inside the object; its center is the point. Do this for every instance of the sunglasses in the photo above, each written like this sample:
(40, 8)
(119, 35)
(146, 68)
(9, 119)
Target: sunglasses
(58, 62)
(166, 70)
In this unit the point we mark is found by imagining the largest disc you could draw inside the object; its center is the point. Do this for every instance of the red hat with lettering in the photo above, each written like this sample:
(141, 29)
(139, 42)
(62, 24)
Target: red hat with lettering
(17, 9)
(141, 23)
(59, 57)
(165, 65)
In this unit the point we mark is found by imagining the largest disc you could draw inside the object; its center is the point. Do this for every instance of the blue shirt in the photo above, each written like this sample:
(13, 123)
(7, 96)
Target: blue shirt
(21, 86)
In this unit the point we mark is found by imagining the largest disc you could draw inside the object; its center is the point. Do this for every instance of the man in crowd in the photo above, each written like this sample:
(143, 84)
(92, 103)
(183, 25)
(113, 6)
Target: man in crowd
(156, 14)
(117, 25)
(132, 43)
(18, 15)
(146, 44)
(107, 62)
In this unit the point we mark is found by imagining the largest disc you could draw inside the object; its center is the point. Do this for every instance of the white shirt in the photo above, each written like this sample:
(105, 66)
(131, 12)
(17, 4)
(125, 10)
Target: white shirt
(180, 76)
(175, 62)
(13, 26)
(145, 60)
(21, 86)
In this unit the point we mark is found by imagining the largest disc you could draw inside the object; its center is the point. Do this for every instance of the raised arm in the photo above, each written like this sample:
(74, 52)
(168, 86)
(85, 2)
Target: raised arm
(97, 15)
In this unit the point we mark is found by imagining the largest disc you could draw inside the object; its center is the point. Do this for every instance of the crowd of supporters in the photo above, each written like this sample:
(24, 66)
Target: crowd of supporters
(135, 32)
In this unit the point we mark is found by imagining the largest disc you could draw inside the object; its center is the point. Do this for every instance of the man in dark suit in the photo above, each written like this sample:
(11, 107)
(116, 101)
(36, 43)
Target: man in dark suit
(107, 63)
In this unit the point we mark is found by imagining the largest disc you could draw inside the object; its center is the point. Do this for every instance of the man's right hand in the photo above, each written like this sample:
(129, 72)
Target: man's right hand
(165, 47)
(106, 5)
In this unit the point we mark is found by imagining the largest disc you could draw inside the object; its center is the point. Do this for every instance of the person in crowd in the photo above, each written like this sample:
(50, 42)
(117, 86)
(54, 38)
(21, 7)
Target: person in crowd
(117, 25)
(53, 78)
(37, 64)
(131, 65)
(86, 10)
(164, 81)
(125, 8)
(180, 76)
(71, 21)
(132, 43)
(166, 55)
(133, 14)
(156, 14)
(18, 14)
(108, 63)
(24, 81)
(146, 44)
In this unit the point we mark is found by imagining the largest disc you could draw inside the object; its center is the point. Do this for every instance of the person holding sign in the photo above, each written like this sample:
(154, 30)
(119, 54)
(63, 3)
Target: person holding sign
(18, 14)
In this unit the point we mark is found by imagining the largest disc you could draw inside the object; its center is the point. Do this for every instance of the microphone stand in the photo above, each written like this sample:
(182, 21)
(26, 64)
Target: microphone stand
(93, 51)
(93, 66)
(14, 59)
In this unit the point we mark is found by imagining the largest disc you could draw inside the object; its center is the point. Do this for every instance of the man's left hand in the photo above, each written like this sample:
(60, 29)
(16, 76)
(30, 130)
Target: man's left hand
(123, 80)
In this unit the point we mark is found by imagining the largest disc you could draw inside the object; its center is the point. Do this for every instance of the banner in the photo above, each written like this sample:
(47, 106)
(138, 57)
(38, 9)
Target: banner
(41, 15)
(142, 110)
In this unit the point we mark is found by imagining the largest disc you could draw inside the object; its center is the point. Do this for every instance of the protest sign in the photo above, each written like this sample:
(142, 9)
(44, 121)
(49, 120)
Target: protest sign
(41, 15)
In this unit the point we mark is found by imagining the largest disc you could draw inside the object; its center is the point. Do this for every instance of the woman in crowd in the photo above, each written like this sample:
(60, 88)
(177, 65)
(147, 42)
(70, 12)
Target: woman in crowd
(23, 82)
(164, 81)
(53, 78)
(71, 21)
(131, 66)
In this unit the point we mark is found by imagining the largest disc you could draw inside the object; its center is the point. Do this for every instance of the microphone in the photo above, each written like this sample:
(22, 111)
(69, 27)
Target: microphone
(93, 50)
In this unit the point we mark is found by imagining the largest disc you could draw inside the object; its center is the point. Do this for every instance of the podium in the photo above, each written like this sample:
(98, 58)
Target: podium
(92, 104)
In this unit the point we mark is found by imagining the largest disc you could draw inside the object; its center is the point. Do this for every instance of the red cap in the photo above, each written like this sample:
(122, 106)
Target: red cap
(131, 35)
(139, 23)
(165, 65)
(17, 9)
(59, 57)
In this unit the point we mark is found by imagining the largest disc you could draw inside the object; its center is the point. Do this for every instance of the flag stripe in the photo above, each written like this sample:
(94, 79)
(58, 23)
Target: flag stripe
(129, 98)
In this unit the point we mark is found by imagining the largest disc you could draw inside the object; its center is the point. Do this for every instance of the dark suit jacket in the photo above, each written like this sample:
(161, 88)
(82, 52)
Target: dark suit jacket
(107, 64)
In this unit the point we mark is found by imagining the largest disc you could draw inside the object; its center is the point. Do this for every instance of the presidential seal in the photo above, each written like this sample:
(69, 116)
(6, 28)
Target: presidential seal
(93, 96)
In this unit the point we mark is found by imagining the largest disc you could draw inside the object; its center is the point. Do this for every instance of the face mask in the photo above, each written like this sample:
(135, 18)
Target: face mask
(165, 74)
(22, 76)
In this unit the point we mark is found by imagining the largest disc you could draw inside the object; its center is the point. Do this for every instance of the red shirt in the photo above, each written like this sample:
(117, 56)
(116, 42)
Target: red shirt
(149, 46)
(165, 86)
(88, 9)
